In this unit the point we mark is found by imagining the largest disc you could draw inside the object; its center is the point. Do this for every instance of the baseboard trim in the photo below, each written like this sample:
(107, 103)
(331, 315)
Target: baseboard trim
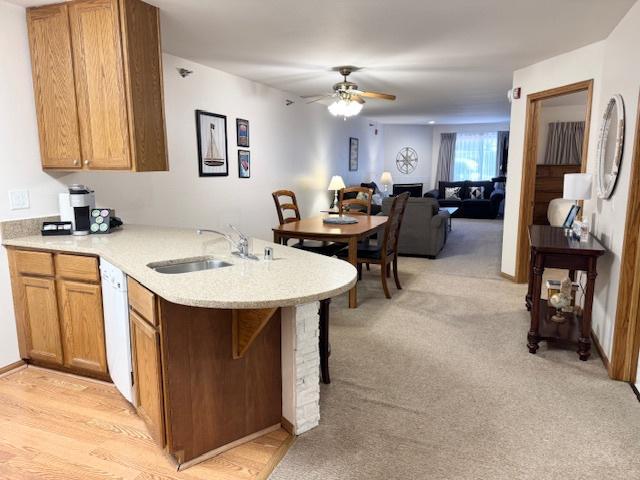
(635, 390)
(287, 425)
(228, 446)
(12, 368)
(599, 349)
(275, 460)
(508, 277)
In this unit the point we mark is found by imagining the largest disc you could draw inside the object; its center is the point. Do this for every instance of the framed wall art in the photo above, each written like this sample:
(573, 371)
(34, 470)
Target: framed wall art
(353, 154)
(242, 132)
(211, 130)
(244, 163)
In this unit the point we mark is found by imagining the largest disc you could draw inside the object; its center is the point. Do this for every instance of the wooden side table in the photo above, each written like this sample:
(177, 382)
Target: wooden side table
(551, 248)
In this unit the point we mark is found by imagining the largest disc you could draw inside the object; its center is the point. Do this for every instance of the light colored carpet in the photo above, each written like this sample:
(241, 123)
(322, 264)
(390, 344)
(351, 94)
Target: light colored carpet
(437, 383)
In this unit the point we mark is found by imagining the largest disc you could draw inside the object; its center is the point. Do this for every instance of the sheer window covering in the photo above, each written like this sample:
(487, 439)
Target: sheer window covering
(475, 156)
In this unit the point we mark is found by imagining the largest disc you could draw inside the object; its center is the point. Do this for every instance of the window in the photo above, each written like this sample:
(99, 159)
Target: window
(475, 156)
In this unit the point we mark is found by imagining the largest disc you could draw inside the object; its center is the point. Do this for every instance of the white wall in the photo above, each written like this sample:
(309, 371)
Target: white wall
(469, 128)
(425, 139)
(578, 65)
(418, 137)
(297, 147)
(565, 113)
(19, 154)
(611, 63)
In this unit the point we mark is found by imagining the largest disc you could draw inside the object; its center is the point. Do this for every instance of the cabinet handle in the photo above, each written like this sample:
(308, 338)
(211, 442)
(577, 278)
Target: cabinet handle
(76, 162)
(87, 162)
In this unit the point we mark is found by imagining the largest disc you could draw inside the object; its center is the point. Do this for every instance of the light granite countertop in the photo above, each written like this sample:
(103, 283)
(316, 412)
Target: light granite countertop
(294, 277)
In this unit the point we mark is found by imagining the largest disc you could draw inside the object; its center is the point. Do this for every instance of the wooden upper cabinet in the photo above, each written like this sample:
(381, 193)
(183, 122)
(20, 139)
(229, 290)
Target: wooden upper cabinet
(54, 86)
(99, 68)
(115, 65)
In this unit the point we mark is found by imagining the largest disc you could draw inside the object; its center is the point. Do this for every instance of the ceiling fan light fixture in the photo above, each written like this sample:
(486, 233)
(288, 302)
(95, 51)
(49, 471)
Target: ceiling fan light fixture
(344, 108)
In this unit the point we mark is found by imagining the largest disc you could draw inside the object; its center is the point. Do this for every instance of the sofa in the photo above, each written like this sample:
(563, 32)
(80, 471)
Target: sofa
(424, 228)
(486, 206)
(414, 189)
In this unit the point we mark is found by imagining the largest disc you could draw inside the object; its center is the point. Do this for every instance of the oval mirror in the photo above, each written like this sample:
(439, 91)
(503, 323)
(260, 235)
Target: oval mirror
(610, 145)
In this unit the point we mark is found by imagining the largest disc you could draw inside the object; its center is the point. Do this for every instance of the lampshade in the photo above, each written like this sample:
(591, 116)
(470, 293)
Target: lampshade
(385, 178)
(336, 183)
(577, 186)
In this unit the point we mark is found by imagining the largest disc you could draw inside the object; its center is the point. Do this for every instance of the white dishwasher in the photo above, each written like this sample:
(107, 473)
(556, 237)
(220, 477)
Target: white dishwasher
(115, 305)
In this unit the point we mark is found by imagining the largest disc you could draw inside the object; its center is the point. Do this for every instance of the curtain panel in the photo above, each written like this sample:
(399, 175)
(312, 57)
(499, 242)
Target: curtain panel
(445, 157)
(564, 143)
(502, 158)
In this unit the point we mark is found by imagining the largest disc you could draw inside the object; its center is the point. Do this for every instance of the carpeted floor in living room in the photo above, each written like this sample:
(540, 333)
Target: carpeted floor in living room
(437, 383)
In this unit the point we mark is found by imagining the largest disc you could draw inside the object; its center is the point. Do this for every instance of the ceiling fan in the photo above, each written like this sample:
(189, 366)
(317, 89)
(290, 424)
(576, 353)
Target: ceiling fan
(348, 99)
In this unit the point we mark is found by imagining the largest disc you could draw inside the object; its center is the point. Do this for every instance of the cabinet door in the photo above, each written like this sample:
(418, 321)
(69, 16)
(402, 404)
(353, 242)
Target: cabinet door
(147, 373)
(41, 312)
(54, 88)
(82, 326)
(98, 64)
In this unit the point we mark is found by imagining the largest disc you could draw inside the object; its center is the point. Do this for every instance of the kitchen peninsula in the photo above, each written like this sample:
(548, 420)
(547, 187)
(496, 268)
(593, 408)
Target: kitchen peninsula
(220, 355)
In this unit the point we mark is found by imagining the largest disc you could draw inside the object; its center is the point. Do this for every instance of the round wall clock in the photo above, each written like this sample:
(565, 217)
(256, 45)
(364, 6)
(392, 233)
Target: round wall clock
(406, 160)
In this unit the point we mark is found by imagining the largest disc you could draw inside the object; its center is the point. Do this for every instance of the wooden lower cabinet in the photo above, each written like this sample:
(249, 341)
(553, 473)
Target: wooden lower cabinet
(41, 319)
(82, 326)
(58, 305)
(147, 371)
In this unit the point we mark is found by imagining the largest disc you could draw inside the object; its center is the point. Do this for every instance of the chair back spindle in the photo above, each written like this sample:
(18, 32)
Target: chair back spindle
(392, 227)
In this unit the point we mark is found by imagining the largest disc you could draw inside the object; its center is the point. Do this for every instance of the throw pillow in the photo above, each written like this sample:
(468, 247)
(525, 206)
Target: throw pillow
(476, 193)
(452, 193)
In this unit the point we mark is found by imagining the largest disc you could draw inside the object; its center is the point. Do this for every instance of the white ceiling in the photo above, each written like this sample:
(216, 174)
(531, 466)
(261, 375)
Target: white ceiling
(447, 61)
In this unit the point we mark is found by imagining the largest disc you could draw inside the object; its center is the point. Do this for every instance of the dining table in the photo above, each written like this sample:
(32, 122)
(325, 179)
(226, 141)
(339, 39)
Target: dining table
(314, 228)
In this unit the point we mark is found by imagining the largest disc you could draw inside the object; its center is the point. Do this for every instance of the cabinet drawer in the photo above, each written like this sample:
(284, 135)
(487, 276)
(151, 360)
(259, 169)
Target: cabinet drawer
(77, 267)
(34, 263)
(142, 301)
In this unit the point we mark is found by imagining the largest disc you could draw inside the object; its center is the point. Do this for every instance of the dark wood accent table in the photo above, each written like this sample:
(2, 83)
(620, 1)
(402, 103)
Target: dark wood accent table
(551, 248)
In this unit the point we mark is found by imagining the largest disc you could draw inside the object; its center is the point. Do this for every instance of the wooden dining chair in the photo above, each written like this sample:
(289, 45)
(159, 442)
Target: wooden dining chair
(351, 204)
(385, 253)
(288, 207)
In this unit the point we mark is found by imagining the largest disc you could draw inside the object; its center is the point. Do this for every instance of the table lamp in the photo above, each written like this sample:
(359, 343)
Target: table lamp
(386, 180)
(577, 186)
(336, 184)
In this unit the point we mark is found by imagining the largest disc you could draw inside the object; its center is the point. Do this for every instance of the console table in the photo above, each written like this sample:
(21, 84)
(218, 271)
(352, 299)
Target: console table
(551, 248)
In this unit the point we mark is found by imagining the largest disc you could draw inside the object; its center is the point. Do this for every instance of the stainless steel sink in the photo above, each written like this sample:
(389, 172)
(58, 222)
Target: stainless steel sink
(188, 265)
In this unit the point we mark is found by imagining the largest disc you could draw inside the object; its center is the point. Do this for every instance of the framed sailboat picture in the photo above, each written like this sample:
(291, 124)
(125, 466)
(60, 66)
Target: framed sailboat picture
(244, 163)
(211, 131)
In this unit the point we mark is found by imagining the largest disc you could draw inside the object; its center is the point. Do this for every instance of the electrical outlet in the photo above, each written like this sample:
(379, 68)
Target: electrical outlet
(18, 199)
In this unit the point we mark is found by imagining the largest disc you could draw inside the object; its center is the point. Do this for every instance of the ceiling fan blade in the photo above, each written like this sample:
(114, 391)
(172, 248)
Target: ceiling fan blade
(317, 99)
(378, 95)
(318, 95)
(357, 98)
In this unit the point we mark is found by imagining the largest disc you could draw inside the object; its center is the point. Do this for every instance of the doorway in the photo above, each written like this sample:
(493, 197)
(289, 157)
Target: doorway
(551, 117)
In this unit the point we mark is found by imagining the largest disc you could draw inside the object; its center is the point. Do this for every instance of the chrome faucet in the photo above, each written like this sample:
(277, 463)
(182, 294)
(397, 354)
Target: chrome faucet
(242, 245)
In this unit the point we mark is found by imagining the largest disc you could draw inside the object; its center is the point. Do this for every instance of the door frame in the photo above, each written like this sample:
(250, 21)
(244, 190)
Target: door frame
(626, 333)
(529, 164)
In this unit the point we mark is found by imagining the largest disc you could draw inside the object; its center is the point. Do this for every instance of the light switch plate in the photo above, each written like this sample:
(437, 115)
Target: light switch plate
(18, 199)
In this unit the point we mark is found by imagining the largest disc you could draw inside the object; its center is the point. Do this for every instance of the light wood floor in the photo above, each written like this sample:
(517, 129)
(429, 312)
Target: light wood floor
(55, 426)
